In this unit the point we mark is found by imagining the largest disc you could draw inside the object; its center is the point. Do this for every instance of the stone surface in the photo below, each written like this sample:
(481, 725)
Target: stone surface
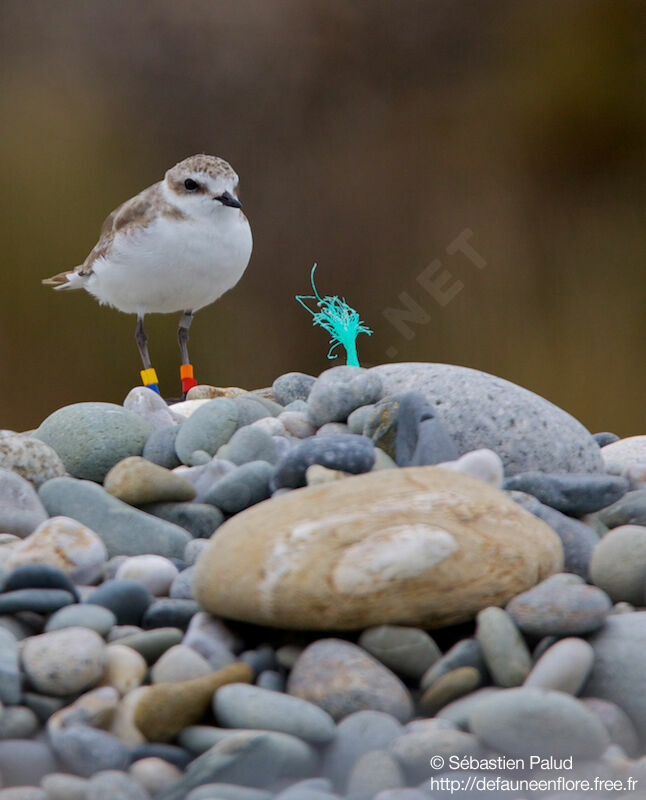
(155, 572)
(24, 762)
(114, 785)
(481, 410)
(137, 481)
(154, 774)
(345, 452)
(292, 386)
(18, 722)
(623, 453)
(408, 652)
(30, 458)
(90, 438)
(459, 712)
(167, 708)
(152, 408)
(179, 663)
(40, 601)
(64, 543)
(342, 678)
(620, 729)
(619, 666)
(503, 648)
(10, 673)
(575, 495)
(372, 773)
(39, 576)
(208, 428)
(561, 605)
(124, 668)
(447, 688)
(61, 786)
(242, 706)
(21, 510)
(483, 464)
(152, 644)
(23, 793)
(563, 667)
(199, 519)
(249, 444)
(244, 486)
(523, 722)
(420, 546)
(84, 750)
(123, 529)
(64, 662)
(465, 653)
(421, 437)
(182, 586)
(127, 599)
(630, 510)
(338, 391)
(618, 564)
(169, 612)
(160, 447)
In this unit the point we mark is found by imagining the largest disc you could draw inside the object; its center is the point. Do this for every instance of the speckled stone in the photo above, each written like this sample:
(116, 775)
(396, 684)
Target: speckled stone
(90, 438)
(21, 510)
(346, 452)
(483, 411)
(342, 678)
(30, 458)
(292, 386)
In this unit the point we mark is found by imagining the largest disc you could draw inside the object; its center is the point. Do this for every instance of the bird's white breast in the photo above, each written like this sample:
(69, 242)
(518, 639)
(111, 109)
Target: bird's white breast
(173, 265)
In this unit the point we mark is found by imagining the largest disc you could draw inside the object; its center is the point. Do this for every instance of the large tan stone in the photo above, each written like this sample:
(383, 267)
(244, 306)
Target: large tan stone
(419, 546)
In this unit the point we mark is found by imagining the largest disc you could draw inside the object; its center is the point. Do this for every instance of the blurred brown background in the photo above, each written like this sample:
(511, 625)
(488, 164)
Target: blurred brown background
(367, 135)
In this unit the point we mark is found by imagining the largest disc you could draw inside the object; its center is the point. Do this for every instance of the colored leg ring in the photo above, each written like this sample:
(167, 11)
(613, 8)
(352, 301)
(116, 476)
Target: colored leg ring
(186, 374)
(149, 379)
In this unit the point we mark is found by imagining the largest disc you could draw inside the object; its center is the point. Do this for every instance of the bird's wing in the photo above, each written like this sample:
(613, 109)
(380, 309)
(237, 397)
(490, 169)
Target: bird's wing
(134, 214)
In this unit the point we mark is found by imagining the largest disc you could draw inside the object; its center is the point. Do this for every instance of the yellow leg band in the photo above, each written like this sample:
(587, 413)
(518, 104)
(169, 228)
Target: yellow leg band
(148, 376)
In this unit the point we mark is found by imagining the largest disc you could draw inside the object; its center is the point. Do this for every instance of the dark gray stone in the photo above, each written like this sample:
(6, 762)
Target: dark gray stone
(347, 452)
(421, 436)
(160, 447)
(292, 386)
(128, 600)
(465, 653)
(91, 438)
(630, 510)
(574, 495)
(199, 519)
(39, 576)
(577, 538)
(241, 488)
(483, 411)
(602, 439)
(40, 601)
(123, 529)
(169, 613)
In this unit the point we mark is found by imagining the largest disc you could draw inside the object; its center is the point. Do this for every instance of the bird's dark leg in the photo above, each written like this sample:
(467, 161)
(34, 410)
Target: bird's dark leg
(148, 375)
(186, 370)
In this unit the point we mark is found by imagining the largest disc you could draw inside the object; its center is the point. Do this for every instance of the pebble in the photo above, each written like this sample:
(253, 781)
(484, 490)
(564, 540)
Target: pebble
(227, 791)
(483, 464)
(30, 458)
(127, 599)
(349, 453)
(94, 708)
(245, 486)
(615, 720)
(523, 722)
(64, 662)
(465, 653)
(205, 392)
(64, 543)
(199, 519)
(297, 405)
(484, 411)
(408, 652)
(381, 425)
(203, 477)
(562, 605)
(194, 550)
(40, 601)
(249, 444)
(165, 709)
(359, 417)
(338, 391)
(114, 785)
(373, 772)
(23, 793)
(172, 754)
(61, 786)
(630, 510)
(563, 667)
(578, 540)
(39, 576)
(272, 426)
(182, 586)
(154, 774)
(297, 424)
(209, 636)
(272, 679)
(152, 644)
(333, 429)
(569, 493)
(152, 408)
(155, 572)
(292, 386)
(90, 438)
(208, 428)
(43, 706)
(244, 706)
(339, 554)
(342, 678)
(169, 613)
(623, 453)
(24, 762)
(316, 474)
(124, 668)
(160, 447)
(435, 736)
(421, 436)
(18, 722)
(503, 648)
(137, 481)
(618, 564)
(21, 510)
(123, 529)
(449, 687)
(459, 712)
(251, 408)
(618, 671)
(179, 663)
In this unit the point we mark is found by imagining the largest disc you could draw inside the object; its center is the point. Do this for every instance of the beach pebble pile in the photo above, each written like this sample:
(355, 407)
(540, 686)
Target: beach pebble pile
(346, 586)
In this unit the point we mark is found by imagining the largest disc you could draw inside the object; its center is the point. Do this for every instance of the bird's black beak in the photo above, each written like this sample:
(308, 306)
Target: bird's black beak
(229, 200)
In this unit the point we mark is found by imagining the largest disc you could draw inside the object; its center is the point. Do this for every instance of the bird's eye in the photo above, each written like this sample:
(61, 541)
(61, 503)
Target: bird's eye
(190, 185)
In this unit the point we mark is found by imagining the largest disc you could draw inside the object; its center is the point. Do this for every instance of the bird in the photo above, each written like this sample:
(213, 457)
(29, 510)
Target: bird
(177, 246)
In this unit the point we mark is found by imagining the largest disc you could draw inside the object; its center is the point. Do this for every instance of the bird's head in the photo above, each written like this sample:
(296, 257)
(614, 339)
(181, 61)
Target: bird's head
(203, 185)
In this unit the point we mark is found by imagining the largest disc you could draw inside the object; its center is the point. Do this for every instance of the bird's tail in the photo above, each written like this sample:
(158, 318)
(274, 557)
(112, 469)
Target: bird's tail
(65, 280)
